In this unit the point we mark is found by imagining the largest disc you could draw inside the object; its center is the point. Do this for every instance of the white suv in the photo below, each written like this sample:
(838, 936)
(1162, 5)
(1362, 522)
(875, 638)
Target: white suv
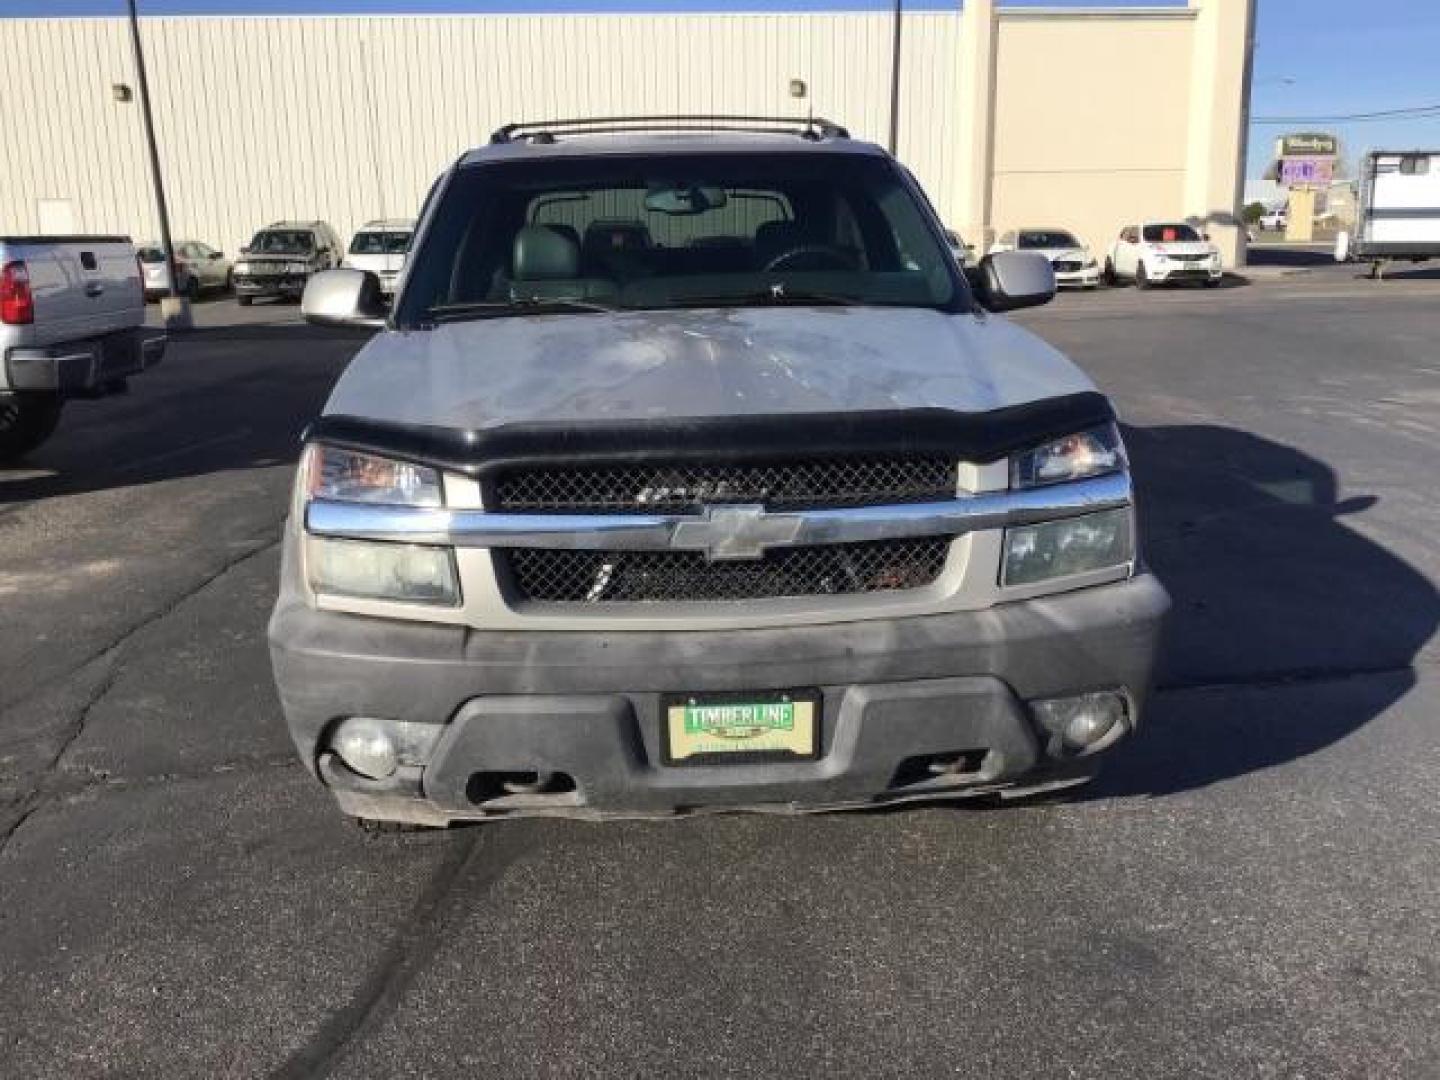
(379, 247)
(1161, 252)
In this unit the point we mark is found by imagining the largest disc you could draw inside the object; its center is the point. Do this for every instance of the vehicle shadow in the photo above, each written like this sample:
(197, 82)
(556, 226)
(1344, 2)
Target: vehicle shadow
(226, 398)
(1270, 587)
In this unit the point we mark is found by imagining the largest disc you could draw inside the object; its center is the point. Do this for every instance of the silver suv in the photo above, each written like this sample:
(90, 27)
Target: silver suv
(281, 257)
(688, 472)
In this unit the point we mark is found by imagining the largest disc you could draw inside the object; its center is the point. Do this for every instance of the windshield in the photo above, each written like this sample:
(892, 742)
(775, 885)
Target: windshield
(680, 231)
(1173, 233)
(388, 242)
(1044, 239)
(282, 242)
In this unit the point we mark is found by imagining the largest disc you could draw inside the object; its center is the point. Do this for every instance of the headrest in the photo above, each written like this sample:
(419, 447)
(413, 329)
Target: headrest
(542, 253)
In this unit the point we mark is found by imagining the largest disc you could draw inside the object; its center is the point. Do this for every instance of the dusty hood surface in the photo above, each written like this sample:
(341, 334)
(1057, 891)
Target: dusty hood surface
(649, 364)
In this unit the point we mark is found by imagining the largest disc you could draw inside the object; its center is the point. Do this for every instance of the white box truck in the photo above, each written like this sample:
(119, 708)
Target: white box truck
(1397, 214)
(72, 324)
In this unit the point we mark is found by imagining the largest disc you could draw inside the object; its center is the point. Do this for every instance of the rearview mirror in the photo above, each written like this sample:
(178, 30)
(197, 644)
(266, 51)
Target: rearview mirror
(343, 298)
(1010, 280)
(684, 199)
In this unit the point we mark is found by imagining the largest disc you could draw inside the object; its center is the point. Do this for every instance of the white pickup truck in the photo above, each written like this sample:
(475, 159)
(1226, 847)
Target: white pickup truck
(72, 325)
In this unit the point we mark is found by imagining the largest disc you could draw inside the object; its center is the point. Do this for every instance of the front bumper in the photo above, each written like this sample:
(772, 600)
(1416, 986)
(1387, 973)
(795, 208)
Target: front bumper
(290, 285)
(1174, 271)
(588, 705)
(83, 368)
(1087, 278)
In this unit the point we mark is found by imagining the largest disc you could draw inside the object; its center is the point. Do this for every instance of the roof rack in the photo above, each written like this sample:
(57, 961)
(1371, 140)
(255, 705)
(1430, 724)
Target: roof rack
(546, 131)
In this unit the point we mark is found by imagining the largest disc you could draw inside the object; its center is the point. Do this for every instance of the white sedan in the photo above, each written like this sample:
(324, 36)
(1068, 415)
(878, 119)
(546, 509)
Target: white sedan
(1069, 258)
(1163, 252)
(200, 267)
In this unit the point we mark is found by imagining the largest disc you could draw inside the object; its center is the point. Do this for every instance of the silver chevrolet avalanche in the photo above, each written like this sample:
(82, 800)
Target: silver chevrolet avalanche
(689, 472)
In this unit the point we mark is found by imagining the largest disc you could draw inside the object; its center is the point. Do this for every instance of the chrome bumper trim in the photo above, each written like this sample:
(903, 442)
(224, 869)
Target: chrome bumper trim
(656, 532)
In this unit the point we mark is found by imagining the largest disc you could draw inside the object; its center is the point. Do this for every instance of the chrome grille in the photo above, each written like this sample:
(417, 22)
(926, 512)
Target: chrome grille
(671, 488)
(594, 577)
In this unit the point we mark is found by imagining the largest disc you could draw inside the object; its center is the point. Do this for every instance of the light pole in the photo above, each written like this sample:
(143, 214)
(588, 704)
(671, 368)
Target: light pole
(895, 76)
(174, 308)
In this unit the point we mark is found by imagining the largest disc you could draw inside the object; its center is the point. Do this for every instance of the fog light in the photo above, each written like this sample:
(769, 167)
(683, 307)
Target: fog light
(365, 745)
(1085, 723)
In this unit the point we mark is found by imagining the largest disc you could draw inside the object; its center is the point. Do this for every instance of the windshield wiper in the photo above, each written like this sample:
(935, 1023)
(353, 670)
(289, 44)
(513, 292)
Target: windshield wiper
(775, 295)
(525, 305)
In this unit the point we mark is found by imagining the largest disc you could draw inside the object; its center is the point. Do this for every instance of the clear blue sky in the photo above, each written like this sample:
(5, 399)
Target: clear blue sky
(1346, 56)
(1312, 57)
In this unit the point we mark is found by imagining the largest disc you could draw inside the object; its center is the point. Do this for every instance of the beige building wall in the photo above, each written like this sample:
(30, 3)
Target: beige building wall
(351, 118)
(1102, 118)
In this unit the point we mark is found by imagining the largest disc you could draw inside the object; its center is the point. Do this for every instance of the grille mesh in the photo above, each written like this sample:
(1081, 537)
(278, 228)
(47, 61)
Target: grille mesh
(671, 488)
(673, 576)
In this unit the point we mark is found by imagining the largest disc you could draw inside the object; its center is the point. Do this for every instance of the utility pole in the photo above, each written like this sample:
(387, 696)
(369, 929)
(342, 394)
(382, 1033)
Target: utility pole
(174, 308)
(895, 77)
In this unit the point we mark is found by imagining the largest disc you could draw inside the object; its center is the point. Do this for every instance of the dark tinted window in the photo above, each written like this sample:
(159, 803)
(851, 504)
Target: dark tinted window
(1037, 238)
(385, 242)
(283, 242)
(1170, 233)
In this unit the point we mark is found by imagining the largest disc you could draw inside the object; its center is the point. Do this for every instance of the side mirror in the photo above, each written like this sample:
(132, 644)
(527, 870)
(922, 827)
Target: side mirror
(216, 255)
(343, 298)
(1204, 236)
(1010, 280)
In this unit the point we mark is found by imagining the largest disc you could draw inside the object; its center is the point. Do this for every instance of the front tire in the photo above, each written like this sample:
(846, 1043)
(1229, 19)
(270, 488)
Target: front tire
(1142, 279)
(1110, 278)
(192, 289)
(26, 421)
(244, 301)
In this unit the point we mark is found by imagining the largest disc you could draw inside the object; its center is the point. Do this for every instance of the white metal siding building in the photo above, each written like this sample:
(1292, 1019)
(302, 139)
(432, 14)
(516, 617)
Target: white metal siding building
(1009, 116)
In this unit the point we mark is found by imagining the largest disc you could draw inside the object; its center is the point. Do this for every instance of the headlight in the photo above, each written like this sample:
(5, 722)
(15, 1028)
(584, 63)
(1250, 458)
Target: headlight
(1075, 457)
(371, 569)
(350, 476)
(375, 570)
(242, 268)
(1077, 545)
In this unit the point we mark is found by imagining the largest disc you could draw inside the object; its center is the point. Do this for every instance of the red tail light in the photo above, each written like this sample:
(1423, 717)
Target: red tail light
(17, 305)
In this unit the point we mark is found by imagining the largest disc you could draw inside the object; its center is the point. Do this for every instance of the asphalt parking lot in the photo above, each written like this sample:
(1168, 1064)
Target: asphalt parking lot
(1250, 890)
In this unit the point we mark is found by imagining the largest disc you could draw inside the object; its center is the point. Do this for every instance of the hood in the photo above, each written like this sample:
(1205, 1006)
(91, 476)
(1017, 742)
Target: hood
(1182, 247)
(663, 364)
(1065, 254)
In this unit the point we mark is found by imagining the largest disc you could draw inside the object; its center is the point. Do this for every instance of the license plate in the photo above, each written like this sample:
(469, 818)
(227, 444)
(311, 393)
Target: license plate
(777, 727)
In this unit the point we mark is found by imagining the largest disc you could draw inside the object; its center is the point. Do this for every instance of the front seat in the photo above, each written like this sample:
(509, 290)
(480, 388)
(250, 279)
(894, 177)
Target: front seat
(544, 254)
(545, 265)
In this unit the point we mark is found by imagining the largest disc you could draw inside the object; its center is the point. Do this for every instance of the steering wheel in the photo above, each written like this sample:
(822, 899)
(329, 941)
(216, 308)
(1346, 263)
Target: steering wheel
(814, 257)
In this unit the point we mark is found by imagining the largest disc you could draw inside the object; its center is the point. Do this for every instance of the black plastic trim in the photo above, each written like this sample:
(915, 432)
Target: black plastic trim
(976, 437)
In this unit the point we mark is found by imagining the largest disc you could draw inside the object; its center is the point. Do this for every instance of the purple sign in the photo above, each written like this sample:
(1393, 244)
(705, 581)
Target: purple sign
(1295, 172)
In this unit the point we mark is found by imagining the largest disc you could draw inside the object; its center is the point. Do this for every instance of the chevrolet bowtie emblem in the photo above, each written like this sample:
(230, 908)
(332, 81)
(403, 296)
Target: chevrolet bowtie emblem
(735, 532)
